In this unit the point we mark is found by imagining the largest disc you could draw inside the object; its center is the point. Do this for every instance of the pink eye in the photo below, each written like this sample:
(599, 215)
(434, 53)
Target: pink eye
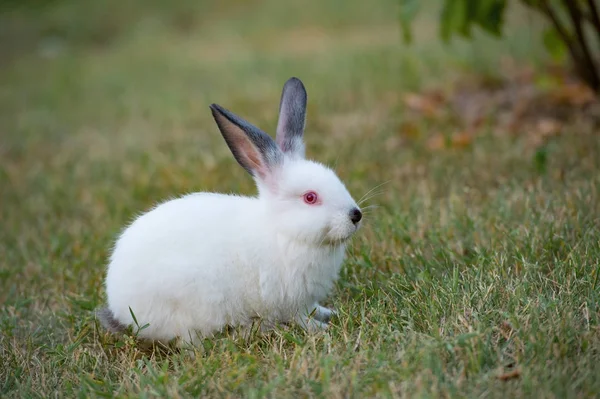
(311, 198)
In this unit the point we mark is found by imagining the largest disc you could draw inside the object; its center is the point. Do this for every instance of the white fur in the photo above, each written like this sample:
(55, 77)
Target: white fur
(196, 264)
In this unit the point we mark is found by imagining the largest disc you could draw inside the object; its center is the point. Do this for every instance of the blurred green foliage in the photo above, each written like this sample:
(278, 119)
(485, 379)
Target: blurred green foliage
(568, 22)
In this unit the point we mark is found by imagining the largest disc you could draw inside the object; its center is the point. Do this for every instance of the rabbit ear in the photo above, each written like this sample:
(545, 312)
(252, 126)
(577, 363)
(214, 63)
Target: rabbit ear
(251, 147)
(292, 118)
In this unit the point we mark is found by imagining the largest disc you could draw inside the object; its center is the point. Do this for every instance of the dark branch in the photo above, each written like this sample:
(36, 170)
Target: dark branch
(564, 34)
(594, 16)
(588, 66)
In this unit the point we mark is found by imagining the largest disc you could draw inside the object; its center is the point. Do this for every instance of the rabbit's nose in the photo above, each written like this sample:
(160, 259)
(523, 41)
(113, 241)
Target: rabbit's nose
(355, 215)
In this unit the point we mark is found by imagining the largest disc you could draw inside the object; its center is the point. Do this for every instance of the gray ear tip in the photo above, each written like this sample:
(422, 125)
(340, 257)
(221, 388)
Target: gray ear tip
(294, 83)
(219, 112)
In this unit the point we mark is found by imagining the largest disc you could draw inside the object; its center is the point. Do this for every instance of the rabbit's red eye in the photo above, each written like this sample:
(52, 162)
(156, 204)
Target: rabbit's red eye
(311, 198)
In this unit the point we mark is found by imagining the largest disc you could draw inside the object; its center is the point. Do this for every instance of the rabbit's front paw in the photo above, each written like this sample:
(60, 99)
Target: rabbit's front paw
(311, 324)
(323, 314)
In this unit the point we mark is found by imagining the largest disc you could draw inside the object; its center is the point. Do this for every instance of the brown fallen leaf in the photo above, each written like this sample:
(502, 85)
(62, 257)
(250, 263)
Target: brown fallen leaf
(409, 130)
(506, 326)
(548, 127)
(457, 140)
(436, 142)
(576, 94)
(428, 104)
(462, 140)
(516, 373)
(506, 329)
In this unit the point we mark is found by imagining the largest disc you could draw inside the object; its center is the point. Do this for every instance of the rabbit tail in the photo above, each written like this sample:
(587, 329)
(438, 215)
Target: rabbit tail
(108, 321)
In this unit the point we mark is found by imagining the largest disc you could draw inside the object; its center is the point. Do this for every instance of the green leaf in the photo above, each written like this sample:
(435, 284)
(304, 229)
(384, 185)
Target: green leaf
(471, 8)
(540, 159)
(133, 317)
(408, 12)
(459, 16)
(490, 15)
(554, 44)
(453, 18)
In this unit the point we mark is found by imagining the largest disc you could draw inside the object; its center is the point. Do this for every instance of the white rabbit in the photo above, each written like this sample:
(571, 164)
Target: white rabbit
(196, 264)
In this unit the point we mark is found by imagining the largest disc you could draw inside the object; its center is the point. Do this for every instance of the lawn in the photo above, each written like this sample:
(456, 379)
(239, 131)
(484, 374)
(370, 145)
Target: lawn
(476, 274)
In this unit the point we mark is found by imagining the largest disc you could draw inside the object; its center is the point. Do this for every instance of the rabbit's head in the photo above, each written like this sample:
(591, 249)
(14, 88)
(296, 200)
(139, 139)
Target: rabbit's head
(305, 200)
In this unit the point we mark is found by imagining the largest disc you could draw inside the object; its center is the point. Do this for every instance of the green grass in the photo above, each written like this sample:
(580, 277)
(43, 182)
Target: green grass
(478, 261)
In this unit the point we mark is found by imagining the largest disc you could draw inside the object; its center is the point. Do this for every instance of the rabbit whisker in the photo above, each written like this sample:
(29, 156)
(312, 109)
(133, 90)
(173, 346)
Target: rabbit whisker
(362, 199)
(369, 207)
(371, 196)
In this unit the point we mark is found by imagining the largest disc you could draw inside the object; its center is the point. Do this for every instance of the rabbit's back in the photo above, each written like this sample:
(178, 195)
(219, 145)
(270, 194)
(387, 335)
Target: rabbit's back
(185, 264)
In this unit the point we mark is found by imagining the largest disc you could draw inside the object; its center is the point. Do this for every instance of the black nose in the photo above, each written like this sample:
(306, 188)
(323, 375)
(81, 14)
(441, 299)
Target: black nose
(355, 215)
